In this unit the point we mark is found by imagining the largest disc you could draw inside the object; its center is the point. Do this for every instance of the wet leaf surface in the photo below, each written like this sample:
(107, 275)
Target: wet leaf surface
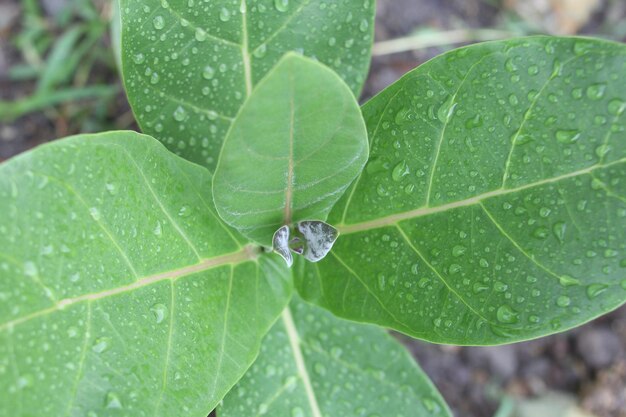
(188, 66)
(121, 291)
(493, 206)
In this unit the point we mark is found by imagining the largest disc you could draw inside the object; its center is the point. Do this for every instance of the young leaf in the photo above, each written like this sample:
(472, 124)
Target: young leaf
(493, 208)
(294, 148)
(318, 238)
(280, 244)
(315, 365)
(121, 290)
(189, 66)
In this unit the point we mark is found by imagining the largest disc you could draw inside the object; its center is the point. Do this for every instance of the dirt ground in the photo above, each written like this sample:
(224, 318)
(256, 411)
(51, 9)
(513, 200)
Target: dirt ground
(588, 364)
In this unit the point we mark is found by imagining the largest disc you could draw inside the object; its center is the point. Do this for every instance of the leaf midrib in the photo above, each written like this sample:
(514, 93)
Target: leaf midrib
(393, 219)
(294, 341)
(246, 254)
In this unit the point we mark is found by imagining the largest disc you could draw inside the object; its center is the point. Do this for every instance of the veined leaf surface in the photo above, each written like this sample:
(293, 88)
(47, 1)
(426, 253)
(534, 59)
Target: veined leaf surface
(313, 364)
(493, 207)
(297, 144)
(189, 65)
(122, 292)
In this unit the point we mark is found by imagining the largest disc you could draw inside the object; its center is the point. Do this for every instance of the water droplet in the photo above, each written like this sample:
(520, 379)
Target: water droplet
(533, 70)
(158, 230)
(602, 150)
(158, 22)
(364, 25)
(159, 311)
(458, 251)
(567, 136)
(101, 344)
(568, 281)
(30, 269)
(200, 35)
(381, 281)
(500, 286)
(179, 114)
(544, 212)
(594, 290)
(224, 14)
(281, 5)
(208, 72)
(474, 122)
(112, 400)
(139, 58)
(506, 314)
(95, 213)
(431, 405)
(446, 110)
(563, 301)
(297, 412)
(617, 107)
(319, 369)
(541, 233)
(577, 93)
(260, 51)
(559, 229)
(596, 91)
(400, 171)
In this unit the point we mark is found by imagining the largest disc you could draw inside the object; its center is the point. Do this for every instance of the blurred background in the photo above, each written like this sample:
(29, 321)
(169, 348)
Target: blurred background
(58, 77)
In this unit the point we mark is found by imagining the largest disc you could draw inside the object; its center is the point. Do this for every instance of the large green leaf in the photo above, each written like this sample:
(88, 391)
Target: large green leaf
(122, 293)
(296, 145)
(313, 364)
(493, 208)
(189, 65)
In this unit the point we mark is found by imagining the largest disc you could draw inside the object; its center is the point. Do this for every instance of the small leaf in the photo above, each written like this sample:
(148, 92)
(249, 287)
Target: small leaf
(294, 148)
(313, 364)
(493, 207)
(204, 58)
(319, 239)
(120, 289)
(281, 245)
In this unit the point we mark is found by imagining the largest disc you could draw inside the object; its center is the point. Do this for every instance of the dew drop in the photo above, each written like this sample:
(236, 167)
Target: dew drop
(617, 107)
(559, 229)
(594, 290)
(458, 251)
(319, 369)
(139, 58)
(200, 35)
(179, 114)
(260, 51)
(596, 91)
(563, 301)
(101, 344)
(400, 171)
(158, 22)
(364, 25)
(95, 213)
(567, 136)
(224, 15)
(506, 314)
(208, 72)
(159, 311)
(281, 5)
(112, 401)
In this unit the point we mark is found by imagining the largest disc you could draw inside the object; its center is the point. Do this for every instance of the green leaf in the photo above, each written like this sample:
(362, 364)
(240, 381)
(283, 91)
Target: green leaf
(313, 364)
(122, 293)
(296, 145)
(189, 65)
(493, 208)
